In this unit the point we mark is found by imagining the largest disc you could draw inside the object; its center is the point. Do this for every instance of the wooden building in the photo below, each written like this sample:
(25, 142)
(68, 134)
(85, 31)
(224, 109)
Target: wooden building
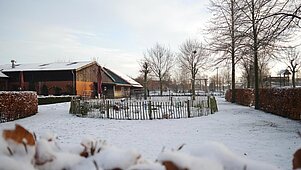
(74, 78)
(118, 85)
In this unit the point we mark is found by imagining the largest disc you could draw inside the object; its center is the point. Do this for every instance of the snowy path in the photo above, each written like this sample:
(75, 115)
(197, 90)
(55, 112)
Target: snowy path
(254, 134)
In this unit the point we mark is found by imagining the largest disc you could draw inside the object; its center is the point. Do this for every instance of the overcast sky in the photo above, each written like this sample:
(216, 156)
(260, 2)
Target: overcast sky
(114, 32)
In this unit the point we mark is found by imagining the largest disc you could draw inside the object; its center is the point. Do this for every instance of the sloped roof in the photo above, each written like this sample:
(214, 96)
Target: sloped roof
(121, 78)
(2, 75)
(45, 66)
(286, 71)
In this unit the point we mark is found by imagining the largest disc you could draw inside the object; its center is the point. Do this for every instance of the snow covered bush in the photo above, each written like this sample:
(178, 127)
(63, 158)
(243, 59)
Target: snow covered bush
(21, 149)
(15, 105)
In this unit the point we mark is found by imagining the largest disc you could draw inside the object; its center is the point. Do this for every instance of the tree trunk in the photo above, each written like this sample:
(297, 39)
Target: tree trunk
(255, 51)
(248, 80)
(161, 86)
(193, 87)
(233, 100)
(293, 78)
(145, 85)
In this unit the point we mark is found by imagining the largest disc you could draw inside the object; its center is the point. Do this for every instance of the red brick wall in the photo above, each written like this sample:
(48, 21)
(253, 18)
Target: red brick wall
(15, 105)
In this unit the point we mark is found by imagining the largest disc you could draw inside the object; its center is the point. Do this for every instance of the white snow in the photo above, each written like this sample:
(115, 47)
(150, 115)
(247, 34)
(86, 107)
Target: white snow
(126, 78)
(18, 92)
(3, 75)
(44, 66)
(185, 161)
(249, 134)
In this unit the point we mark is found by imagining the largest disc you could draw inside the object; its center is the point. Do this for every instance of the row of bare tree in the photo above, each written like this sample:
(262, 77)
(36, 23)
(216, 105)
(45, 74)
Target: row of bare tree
(245, 32)
(250, 31)
(159, 60)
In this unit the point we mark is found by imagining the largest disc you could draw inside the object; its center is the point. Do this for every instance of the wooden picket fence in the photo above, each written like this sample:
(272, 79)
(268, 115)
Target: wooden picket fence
(142, 110)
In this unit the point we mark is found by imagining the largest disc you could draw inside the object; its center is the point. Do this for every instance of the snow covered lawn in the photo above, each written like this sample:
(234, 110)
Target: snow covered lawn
(250, 133)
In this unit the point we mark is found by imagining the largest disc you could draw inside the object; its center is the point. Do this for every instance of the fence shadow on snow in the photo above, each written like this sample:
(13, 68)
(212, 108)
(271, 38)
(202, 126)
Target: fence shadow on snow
(142, 110)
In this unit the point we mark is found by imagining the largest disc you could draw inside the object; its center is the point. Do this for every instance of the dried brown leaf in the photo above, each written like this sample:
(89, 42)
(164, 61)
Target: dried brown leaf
(20, 135)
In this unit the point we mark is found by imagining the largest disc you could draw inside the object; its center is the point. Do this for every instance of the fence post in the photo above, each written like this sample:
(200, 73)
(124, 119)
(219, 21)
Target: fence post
(214, 105)
(208, 101)
(188, 108)
(78, 106)
(71, 107)
(108, 109)
(210, 104)
(150, 110)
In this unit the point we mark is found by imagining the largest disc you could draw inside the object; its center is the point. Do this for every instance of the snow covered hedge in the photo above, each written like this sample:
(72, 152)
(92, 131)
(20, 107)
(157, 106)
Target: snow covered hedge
(15, 105)
(280, 101)
(21, 149)
(53, 99)
(244, 97)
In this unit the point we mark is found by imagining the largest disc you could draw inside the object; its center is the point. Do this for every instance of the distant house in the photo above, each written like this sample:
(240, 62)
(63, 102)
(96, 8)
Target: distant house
(76, 78)
(117, 85)
(3, 81)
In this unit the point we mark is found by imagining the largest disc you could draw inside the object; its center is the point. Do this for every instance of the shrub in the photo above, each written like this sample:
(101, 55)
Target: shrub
(52, 100)
(44, 90)
(57, 90)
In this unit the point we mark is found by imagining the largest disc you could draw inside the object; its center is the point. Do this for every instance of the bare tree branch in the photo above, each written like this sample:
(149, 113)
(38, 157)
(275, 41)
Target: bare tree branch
(160, 61)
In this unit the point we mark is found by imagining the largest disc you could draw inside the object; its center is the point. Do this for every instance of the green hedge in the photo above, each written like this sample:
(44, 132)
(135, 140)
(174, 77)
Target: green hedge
(53, 99)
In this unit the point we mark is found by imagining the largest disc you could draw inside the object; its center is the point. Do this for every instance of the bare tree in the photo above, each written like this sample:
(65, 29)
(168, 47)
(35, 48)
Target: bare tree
(160, 61)
(261, 31)
(192, 57)
(145, 70)
(292, 59)
(182, 78)
(263, 70)
(225, 33)
(247, 66)
(291, 13)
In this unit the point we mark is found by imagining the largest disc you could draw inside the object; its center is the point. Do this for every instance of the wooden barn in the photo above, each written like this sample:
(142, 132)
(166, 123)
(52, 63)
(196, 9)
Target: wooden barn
(118, 85)
(57, 78)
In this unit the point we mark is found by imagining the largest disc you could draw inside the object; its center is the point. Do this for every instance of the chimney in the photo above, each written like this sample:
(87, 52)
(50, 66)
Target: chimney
(13, 63)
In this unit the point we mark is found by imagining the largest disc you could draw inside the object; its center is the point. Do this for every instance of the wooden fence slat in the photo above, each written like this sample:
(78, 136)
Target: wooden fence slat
(108, 109)
(138, 110)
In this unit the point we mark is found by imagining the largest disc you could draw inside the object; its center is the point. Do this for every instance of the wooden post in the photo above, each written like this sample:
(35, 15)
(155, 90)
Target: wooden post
(71, 110)
(108, 109)
(208, 101)
(77, 106)
(188, 108)
(211, 105)
(150, 110)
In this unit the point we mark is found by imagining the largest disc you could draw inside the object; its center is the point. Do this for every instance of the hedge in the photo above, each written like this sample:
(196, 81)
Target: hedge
(15, 105)
(280, 101)
(53, 99)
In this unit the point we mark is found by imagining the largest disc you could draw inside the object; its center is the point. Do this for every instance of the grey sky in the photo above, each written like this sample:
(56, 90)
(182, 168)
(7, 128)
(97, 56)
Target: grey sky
(115, 32)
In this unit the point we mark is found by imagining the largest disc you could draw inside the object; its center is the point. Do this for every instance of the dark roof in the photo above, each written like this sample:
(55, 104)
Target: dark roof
(117, 79)
(120, 78)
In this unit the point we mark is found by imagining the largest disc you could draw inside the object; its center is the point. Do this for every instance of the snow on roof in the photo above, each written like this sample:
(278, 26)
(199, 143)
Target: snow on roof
(126, 78)
(3, 75)
(44, 66)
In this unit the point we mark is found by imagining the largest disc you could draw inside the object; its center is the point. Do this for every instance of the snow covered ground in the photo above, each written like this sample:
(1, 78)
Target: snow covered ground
(249, 133)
